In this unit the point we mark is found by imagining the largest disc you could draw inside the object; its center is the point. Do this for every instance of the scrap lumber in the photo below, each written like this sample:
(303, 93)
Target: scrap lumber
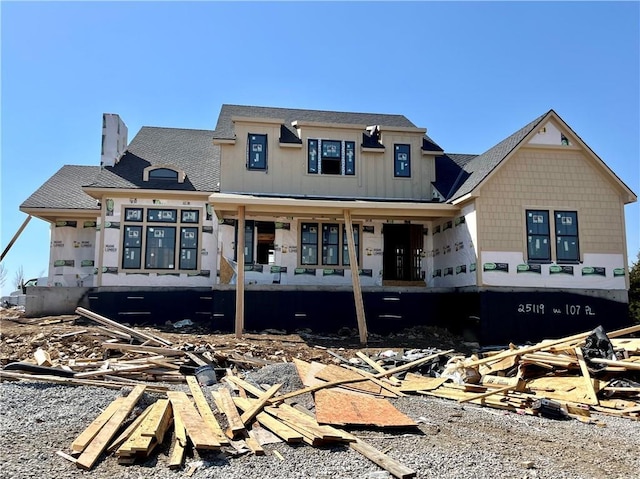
(121, 327)
(333, 372)
(488, 393)
(627, 365)
(257, 406)
(117, 442)
(82, 441)
(291, 416)
(139, 348)
(198, 431)
(73, 381)
(179, 443)
(414, 382)
(591, 398)
(205, 410)
(269, 422)
(389, 389)
(225, 404)
(307, 372)
(339, 408)
(576, 338)
(149, 433)
(99, 443)
(379, 368)
(42, 357)
(381, 459)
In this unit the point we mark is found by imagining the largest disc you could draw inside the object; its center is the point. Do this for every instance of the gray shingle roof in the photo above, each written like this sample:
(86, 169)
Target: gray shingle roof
(191, 151)
(224, 128)
(479, 167)
(64, 190)
(450, 172)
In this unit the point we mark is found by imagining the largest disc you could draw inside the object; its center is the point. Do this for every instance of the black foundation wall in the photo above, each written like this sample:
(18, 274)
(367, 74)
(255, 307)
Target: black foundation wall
(489, 317)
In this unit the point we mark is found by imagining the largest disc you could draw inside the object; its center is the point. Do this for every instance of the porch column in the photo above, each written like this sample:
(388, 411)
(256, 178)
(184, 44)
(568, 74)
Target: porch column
(355, 277)
(240, 274)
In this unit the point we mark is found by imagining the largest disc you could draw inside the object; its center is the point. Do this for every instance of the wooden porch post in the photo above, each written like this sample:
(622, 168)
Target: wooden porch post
(355, 277)
(240, 275)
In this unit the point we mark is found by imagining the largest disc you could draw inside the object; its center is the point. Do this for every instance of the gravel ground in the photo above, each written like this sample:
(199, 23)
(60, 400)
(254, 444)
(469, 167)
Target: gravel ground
(453, 441)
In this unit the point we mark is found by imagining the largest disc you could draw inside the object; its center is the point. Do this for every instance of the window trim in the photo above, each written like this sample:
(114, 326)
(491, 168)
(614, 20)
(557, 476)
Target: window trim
(552, 235)
(146, 173)
(341, 246)
(262, 140)
(396, 160)
(315, 162)
(144, 224)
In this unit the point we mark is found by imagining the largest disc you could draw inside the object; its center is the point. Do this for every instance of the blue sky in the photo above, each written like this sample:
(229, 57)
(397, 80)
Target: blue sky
(471, 73)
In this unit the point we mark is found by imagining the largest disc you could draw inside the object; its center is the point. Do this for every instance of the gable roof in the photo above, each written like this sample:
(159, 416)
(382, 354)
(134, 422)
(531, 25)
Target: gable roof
(191, 151)
(64, 190)
(477, 169)
(225, 131)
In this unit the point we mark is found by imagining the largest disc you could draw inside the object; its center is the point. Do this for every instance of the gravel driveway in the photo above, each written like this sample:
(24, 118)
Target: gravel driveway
(453, 441)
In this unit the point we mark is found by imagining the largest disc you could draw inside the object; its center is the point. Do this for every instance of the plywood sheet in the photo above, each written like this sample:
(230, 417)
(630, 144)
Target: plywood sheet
(338, 408)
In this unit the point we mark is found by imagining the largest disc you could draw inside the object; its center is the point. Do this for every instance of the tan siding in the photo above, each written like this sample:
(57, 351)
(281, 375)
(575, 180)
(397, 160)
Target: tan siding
(287, 167)
(550, 179)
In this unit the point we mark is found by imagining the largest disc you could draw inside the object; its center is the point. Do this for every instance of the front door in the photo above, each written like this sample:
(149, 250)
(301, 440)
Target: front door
(403, 245)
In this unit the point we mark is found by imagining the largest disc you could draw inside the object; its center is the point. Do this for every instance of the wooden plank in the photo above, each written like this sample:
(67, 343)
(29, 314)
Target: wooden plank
(257, 406)
(117, 442)
(115, 371)
(205, 410)
(379, 368)
(138, 348)
(180, 442)
(412, 364)
(75, 382)
(592, 398)
(157, 421)
(121, 327)
(198, 431)
(381, 459)
(548, 344)
(42, 357)
(355, 278)
(628, 365)
(82, 441)
(225, 404)
(307, 420)
(90, 455)
(488, 393)
(421, 383)
(338, 408)
(333, 372)
(240, 245)
(269, 422)
(389, 390)
(248, 387)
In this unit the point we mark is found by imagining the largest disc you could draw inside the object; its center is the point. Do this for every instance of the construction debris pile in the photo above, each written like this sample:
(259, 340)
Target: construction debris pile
(224, 412)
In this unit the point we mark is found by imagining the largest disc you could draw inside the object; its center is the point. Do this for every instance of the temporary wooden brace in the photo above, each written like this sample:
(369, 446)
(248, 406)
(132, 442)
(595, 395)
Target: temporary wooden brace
(355, 278)
(90, 455)
(15, 237)
(240, 274)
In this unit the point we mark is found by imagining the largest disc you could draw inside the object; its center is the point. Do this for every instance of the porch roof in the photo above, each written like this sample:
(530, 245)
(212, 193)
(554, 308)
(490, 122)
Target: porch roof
(227, 204)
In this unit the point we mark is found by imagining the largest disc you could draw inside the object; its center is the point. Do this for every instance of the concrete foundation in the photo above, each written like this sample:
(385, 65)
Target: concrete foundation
(52, 301)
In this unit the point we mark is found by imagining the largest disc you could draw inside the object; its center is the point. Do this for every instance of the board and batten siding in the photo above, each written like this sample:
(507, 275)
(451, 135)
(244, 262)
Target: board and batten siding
(286, 172)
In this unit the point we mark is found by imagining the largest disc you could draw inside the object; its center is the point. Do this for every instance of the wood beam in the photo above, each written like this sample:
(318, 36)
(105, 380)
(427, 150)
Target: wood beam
(15, 237)
(355, 278)
(240, 274)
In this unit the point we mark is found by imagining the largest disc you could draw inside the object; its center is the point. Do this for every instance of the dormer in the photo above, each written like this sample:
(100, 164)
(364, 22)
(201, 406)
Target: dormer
(167, 173)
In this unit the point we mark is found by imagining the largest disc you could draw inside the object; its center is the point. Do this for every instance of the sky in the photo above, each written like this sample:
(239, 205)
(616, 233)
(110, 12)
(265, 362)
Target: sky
(471, 73)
